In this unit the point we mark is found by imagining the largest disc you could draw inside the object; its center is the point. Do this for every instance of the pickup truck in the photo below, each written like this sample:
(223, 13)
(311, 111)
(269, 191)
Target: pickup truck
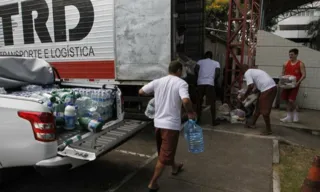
(29, 138)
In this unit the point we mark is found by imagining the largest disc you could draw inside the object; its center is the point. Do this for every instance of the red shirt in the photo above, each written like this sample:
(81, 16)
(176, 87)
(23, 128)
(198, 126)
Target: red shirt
(293, 69)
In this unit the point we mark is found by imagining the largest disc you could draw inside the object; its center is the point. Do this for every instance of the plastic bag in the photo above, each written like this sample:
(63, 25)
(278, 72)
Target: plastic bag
(287, 82)
(250, 99)
(224, 109)
(150, 111)
(238, 116)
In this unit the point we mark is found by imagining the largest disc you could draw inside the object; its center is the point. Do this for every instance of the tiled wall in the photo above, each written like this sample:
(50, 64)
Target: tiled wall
(272, 53)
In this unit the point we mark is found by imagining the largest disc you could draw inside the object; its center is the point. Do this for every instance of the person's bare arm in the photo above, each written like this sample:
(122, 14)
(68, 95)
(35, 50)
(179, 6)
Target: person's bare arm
(142, 93)
(249, 91)
(303, 72)
(147, 89)
(187, 104)
(284, 69)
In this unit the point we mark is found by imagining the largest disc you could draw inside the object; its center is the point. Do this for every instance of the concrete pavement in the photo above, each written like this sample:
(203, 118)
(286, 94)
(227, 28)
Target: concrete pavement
(230, 163)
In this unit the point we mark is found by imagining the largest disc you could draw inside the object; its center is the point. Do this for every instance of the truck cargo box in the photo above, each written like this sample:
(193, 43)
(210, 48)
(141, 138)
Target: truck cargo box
(90, 39)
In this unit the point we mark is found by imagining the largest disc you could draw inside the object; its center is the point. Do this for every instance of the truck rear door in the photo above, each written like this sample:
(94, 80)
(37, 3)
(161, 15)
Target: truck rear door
(100, 143)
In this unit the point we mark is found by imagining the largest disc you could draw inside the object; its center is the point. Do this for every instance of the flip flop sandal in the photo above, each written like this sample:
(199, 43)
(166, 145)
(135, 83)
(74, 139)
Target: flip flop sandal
(250, 126)
(179, 170)
(153, 190)
(266, 133)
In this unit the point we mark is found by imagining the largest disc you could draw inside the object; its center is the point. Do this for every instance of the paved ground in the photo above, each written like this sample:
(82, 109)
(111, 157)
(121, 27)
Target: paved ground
(230, 163)
(309, 119)
(98, 176)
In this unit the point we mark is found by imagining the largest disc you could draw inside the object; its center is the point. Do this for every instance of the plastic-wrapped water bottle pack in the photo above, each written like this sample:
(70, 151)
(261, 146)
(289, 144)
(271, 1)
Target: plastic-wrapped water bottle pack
(78, 107)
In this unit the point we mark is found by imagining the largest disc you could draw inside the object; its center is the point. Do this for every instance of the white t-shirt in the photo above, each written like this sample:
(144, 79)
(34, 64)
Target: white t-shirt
(168, 94)
(207, 71)
(260, 78)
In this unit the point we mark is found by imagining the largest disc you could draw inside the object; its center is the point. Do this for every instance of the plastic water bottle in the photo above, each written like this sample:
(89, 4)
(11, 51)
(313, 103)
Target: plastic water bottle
(104, 98)
(150, 111)
(194, 136)
(69, 141)
(50, 106)
(59, 115)
(91, 125)
(70, 117)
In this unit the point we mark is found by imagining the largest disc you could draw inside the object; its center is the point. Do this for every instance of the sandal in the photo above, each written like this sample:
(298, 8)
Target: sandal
(250, 126)
(179, 170)
(153, 190)
(266, 133)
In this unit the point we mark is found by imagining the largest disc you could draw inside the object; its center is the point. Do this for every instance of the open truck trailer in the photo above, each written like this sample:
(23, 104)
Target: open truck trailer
(119, 42)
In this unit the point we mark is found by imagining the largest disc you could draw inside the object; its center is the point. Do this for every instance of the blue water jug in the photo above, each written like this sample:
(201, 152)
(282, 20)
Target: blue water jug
(194, 136)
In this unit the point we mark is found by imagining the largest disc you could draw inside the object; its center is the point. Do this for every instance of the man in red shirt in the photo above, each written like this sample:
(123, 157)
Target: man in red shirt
(295, 68)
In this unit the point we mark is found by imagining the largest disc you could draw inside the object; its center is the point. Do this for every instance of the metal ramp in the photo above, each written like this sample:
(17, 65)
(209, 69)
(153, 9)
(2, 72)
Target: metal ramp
(97, 144)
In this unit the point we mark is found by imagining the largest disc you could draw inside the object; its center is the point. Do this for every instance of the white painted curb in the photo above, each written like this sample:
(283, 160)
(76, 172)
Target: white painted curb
(276, 182)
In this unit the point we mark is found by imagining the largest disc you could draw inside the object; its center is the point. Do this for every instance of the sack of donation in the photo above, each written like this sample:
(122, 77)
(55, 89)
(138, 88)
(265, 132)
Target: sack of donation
(238, 116)
(249, 100)
(150, 109)
(287, 82)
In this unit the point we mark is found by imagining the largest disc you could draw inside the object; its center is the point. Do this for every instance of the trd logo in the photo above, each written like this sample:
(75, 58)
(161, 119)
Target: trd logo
(83, 28)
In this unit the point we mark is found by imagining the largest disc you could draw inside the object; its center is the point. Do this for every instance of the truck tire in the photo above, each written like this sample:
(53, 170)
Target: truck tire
(1, 176)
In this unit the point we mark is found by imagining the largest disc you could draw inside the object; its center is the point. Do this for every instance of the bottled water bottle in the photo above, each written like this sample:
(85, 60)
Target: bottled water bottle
(104, 99)
(150, 111)
(194, 135)
(70, 117)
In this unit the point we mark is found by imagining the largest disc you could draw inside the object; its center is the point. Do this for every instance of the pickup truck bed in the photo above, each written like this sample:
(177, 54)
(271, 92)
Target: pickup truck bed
(20, 148)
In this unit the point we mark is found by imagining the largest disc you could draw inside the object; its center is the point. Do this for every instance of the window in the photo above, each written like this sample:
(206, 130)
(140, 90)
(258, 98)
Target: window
(293, 27)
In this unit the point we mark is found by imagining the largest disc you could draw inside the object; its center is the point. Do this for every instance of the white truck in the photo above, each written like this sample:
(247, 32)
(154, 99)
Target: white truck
(119, 42)
(28, 134)
(91, 43)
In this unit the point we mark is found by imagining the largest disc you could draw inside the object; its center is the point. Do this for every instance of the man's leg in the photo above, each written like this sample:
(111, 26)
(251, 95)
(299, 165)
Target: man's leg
(211, 94)
(200, 95)
(167, 149)
(267, 99)
(256, 115)
(159, 166)
(285, 96)
(156, 175)
(292, 99)
(268, 124)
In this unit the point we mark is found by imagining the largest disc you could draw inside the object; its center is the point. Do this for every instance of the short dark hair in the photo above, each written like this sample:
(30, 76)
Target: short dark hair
(295, 51)
(208, 54)
(175, 66)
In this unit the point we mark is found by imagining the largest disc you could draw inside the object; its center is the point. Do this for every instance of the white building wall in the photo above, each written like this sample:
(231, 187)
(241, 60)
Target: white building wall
(273, 52)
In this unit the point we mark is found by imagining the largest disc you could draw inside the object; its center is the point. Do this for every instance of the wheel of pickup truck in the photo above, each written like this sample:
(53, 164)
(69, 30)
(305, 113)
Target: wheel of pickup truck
(1, 176)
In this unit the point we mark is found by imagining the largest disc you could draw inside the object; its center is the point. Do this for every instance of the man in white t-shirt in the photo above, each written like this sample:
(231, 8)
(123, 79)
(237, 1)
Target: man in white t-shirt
(170, 93)
(208, 72)
(268, 91)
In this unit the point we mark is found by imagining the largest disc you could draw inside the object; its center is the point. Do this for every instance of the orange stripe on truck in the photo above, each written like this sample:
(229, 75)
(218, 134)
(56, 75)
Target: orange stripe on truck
(86, 69)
